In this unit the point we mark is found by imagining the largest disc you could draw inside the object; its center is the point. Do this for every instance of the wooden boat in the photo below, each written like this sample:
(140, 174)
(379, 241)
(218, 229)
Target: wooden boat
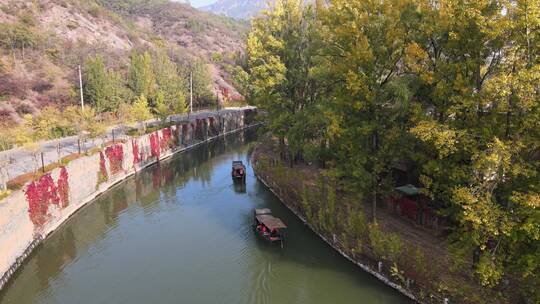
(268, 227)
(238, 170)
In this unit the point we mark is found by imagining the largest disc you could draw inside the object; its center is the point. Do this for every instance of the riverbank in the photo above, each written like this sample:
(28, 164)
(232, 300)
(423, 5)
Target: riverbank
(29, 215)
(409, 259)
(153, 237)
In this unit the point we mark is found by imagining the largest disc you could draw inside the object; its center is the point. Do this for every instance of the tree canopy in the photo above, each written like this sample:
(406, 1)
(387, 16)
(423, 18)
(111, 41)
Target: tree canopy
(451, 87)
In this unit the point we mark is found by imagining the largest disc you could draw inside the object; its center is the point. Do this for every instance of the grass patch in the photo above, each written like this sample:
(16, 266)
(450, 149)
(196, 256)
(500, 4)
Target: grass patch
(93, 151)
(134, 132)
(21, 180)
(4, 194)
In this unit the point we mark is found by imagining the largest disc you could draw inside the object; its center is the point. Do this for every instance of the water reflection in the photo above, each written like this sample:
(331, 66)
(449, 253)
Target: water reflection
(181, 231)
(239, 186)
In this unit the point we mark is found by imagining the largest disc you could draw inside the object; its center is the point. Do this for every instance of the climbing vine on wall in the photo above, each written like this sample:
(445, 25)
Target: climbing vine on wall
(103, 176)
(165, 142)
(154, 145)
(137, 155)
(39, 195)
(115, 154)
(63, 187)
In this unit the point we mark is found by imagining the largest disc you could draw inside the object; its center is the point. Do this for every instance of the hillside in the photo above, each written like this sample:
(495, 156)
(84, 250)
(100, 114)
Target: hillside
(43, 42)
(239, 9)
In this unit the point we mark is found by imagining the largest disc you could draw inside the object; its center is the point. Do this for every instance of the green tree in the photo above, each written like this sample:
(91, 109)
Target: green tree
(141, 79)
(283, 81)
(141, 111)
(451, 88)
(370, 90)
(202, 81)
(104, 88)
(180, 105)
(162, 108)
(168, 80)
(17, 37)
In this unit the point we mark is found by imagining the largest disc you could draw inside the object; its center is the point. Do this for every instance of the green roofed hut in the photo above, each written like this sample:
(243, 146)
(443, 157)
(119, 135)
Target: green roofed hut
(410, 203)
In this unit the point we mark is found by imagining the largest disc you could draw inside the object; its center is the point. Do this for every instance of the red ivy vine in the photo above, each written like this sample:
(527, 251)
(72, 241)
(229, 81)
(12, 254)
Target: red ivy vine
(137, 155)
(63, 187)
(165, 142)
(39, 195)
(154, 145)
(115, 154)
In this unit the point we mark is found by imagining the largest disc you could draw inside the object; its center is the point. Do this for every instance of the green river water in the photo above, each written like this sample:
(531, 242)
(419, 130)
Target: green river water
(180, 232)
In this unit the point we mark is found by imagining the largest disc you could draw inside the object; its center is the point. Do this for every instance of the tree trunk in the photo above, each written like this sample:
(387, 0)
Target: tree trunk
(375, 147)
(374, 202)
(282, 148)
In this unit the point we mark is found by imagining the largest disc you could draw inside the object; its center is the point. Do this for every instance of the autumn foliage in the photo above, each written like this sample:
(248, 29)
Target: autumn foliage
(115, 154)
(154, 145)
(40, 194)
(165, 142)
(137, 155)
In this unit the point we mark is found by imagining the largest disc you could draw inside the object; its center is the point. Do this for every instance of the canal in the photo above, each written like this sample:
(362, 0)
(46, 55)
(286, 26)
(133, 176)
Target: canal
(180, 232)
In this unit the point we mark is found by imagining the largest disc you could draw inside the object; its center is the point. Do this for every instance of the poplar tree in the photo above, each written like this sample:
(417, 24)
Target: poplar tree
(141, 78)
(280, 51)
(104, 88)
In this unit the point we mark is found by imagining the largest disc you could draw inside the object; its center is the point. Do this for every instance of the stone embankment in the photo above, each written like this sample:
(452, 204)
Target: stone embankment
(29, 215)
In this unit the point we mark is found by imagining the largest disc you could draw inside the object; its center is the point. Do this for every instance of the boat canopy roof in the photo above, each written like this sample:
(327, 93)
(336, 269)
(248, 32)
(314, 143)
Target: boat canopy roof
(262, 211)
(237, 164)
(270, 221)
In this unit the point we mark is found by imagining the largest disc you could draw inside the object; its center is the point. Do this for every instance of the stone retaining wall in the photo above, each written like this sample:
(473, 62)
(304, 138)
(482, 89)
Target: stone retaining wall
(29, 215)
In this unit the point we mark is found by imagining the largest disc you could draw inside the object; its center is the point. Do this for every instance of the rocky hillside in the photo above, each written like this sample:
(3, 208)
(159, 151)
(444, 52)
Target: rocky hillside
(42, 42)
(239, 9)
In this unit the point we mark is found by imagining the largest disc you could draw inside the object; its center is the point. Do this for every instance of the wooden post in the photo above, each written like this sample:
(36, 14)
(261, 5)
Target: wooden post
(113, 136)
(81, 88)
(42, 163)
(79, 145)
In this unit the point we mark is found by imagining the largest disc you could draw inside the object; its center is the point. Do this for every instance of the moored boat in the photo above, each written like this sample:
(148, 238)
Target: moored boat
(268, 227)
(238, 170)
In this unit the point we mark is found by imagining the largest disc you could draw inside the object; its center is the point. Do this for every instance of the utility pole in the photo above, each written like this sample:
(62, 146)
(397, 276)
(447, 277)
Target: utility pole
(191, 91)
(81, 89)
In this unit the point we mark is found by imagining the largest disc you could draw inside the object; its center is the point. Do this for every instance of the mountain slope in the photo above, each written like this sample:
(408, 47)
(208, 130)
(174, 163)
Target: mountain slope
(43, 41)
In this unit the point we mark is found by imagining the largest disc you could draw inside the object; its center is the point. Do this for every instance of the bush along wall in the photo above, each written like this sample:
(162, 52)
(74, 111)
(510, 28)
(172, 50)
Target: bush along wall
(29, 215)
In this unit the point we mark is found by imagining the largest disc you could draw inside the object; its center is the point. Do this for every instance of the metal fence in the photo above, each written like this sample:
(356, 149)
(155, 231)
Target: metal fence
(20, 161)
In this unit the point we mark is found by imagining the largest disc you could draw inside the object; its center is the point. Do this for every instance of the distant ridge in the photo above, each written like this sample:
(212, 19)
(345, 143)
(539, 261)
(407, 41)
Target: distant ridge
(239, 9)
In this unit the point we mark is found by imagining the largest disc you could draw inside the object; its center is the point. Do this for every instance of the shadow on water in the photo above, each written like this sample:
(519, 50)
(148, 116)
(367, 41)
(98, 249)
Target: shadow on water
(181, 229)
